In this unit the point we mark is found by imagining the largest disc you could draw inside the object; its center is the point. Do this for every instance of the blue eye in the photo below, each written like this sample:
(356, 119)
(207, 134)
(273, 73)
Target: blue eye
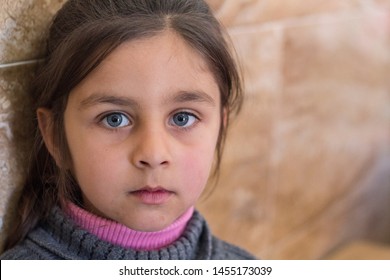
(116, 120)
(183, 119)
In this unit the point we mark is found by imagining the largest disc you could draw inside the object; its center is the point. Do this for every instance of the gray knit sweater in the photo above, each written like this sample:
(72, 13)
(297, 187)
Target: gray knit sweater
(60, 238)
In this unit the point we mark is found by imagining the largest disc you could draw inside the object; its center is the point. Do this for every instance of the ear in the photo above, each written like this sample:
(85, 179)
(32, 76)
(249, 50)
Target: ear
(45, 123)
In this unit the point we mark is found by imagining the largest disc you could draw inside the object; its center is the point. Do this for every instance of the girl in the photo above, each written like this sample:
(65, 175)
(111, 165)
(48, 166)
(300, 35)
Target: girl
(133, 101)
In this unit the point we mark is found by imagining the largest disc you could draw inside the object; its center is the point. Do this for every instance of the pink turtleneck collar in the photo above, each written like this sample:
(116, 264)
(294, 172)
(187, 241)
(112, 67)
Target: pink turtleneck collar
(123, 236)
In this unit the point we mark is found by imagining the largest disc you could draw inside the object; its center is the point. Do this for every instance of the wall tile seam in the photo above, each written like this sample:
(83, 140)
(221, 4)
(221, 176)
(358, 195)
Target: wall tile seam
(297, 22)
(19, 63)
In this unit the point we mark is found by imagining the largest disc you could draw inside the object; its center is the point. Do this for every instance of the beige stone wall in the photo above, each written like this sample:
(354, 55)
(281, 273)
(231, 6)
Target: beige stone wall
(307, 164)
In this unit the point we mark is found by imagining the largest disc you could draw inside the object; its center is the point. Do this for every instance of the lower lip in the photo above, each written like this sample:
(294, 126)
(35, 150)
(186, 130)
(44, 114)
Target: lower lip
(152, 197)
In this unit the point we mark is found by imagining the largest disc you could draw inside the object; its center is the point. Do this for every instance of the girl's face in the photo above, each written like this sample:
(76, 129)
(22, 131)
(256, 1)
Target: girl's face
(142, 129)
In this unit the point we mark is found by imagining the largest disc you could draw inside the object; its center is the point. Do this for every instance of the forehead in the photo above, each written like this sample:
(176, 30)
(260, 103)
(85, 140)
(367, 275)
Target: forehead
(160, 64)
(166, 50)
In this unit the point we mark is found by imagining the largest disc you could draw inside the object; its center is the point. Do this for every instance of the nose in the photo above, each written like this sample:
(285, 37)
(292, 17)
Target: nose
(151, 150)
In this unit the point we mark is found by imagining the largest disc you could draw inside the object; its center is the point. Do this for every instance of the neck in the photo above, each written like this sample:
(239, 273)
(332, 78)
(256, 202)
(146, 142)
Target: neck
(118, 234)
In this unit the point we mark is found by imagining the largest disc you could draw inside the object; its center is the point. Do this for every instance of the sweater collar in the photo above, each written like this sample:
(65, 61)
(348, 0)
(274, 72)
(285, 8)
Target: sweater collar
(118, 234)
(66, 240)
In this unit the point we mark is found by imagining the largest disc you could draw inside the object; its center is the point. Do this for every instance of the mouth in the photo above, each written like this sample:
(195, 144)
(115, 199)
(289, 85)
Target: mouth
(152, 195)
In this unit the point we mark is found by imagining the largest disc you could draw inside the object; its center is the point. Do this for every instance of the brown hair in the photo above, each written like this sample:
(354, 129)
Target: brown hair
(82, 34)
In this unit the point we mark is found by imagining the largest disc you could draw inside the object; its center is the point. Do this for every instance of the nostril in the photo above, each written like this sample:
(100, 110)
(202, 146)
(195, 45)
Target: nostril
(146, 163)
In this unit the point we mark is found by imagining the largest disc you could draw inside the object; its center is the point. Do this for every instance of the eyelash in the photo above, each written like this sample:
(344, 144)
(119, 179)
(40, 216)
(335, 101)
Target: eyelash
(103, 120)
(188, 114)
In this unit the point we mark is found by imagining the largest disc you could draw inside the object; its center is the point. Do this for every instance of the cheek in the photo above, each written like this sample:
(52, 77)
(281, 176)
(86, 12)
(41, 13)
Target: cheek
(95, 165)
(195, 168)
(90, 163)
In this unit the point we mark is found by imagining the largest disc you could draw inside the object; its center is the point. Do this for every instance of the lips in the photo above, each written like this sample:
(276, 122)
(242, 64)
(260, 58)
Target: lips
(152, 195)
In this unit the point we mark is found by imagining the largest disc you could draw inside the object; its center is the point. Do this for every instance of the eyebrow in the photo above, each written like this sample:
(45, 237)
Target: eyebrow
(193, 96)
(181, 97)
(107, 98)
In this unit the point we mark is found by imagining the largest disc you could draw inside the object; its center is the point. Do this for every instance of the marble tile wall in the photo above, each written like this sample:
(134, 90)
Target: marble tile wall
(307, 163)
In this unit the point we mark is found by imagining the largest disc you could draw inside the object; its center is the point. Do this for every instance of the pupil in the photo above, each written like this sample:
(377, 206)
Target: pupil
(115, 120)
(181, 119)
